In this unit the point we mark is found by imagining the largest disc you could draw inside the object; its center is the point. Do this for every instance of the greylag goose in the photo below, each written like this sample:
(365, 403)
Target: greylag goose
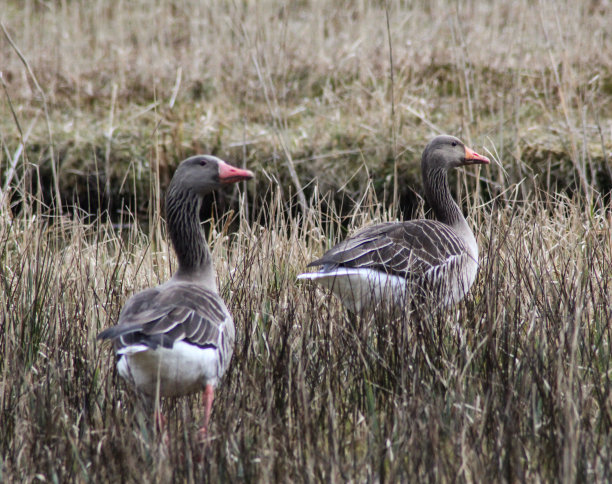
(178, 338)
(396, 262)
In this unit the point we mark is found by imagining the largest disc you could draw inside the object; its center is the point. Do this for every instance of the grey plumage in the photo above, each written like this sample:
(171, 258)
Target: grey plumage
(403, 249)
(180, 312)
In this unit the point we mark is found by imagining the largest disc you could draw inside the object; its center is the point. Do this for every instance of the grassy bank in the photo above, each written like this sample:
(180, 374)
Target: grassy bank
(130, 90)
(338, 100)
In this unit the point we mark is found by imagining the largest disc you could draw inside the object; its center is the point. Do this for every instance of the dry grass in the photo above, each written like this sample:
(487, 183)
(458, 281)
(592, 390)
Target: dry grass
(512, 385)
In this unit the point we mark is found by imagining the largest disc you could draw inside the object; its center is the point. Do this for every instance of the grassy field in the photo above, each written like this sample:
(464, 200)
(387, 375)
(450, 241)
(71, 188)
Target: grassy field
(331, 104)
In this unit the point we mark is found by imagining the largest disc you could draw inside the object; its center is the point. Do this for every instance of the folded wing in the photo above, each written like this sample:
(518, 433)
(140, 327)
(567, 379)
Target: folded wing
(180, 312)
(412, 250)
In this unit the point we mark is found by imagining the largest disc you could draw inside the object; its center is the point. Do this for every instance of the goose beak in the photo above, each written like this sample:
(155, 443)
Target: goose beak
(473, 158)
(230, 174)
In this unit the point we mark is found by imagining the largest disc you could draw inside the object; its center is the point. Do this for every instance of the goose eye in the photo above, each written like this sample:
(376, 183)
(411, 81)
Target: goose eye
(202, 162)
(454, 143)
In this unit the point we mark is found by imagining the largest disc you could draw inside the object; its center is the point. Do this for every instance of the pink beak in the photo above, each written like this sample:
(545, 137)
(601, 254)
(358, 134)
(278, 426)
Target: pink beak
(475, 158)
(231, 174)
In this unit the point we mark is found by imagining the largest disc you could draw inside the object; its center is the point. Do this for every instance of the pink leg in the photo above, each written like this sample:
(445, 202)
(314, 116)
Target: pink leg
(160, 421)
(208, 396)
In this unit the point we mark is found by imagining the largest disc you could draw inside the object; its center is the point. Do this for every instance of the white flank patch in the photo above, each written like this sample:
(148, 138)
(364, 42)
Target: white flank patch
(180, 370)
(133, 349)
(359, 289)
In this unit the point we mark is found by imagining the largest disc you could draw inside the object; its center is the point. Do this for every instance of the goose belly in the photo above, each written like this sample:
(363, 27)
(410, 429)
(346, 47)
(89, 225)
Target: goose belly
(180, 370)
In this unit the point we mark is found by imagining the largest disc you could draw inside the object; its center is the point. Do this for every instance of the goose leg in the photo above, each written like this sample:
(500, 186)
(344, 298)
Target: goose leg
(152, 405)
(160, 421)
(160, 424)
(207, 397)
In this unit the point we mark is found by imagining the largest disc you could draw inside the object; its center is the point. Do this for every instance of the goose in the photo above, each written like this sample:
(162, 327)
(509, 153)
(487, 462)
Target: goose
(401, 262)
(178, 338)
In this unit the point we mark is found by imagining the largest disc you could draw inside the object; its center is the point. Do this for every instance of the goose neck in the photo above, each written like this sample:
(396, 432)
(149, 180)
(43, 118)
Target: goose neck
(194, 258)
(439, 196)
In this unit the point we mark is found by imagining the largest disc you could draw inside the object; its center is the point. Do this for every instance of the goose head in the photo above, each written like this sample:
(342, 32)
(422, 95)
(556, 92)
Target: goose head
(446, 152)
(202, 174)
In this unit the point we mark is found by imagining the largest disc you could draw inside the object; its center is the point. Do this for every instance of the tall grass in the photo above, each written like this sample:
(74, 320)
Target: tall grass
(513, 384)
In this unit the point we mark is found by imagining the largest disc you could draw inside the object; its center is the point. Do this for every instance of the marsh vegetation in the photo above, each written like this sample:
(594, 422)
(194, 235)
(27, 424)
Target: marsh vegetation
(330, 104)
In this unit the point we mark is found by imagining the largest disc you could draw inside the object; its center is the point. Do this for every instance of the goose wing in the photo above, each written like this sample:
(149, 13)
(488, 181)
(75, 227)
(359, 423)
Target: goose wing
(409, 249)
(181, 312)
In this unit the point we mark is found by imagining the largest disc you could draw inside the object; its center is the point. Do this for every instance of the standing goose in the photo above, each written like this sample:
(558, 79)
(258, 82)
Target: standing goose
(178, 338)
(395, 261)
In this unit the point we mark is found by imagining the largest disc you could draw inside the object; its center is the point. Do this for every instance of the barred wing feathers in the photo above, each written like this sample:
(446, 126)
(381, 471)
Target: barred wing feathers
(412, 250)
(178, 312)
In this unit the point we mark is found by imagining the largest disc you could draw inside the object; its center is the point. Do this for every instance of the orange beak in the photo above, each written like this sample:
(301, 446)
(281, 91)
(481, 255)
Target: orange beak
(474, 158)
(231, 174)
